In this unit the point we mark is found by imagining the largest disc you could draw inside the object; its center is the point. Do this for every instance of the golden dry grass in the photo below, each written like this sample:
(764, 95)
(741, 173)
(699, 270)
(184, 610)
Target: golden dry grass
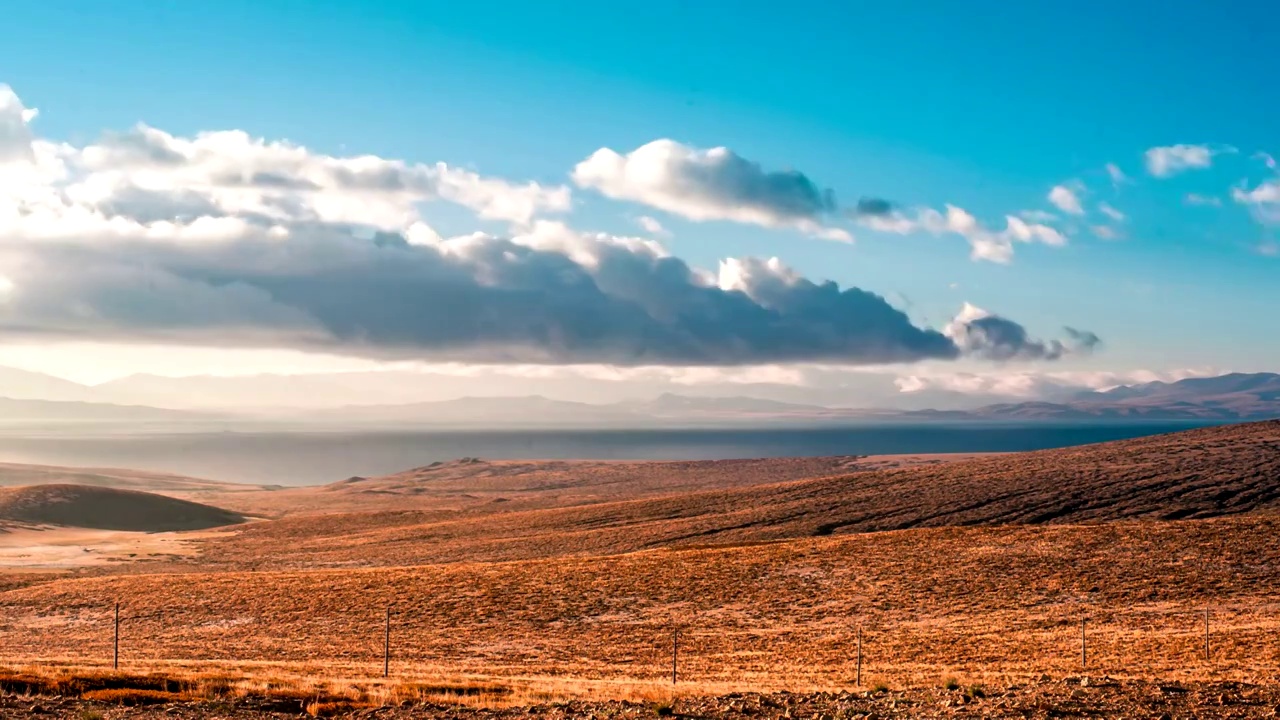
(974, 602)
(982, 571)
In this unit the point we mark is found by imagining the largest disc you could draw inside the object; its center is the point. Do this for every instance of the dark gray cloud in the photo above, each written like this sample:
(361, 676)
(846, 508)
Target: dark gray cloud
(873, 206)
(492, 300)
(980, 334)
(484, 299)
(1082, 340)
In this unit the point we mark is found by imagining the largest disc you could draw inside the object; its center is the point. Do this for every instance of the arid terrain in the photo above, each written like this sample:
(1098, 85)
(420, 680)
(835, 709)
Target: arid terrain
(1139, 578)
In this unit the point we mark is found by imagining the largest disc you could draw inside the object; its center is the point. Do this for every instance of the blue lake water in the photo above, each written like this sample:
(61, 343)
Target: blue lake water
(304, 458)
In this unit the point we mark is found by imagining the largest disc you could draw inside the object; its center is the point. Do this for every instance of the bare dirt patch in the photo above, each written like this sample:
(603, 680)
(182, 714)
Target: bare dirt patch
(47, 547)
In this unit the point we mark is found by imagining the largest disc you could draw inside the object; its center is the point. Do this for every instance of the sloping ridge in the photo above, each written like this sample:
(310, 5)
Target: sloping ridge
(101, 508)
(1205, 473)
(1209, 472)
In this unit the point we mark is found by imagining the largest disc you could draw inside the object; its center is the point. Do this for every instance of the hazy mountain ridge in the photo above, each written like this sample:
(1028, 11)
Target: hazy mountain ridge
(1225, 398)
(20, 410)
(1232, 397)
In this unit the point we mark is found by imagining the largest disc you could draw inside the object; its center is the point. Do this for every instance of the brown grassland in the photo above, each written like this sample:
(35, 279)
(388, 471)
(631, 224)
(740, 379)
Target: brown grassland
(967, 582)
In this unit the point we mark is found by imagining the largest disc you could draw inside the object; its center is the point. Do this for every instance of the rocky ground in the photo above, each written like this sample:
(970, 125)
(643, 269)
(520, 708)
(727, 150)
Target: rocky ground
(1073, 697)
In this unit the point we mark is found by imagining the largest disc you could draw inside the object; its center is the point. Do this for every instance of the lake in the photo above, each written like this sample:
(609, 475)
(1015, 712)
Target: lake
(305, 458)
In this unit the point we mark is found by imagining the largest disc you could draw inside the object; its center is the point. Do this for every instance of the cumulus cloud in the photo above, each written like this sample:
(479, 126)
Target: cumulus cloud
(985, 243)
(979, 333)
(1066, 200)
(1263, 200)
(1265, 193)
(1170, 160)
(715, 184)
(227, 240)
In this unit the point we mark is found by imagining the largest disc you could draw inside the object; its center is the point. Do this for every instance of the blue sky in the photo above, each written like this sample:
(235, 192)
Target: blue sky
(924, 104)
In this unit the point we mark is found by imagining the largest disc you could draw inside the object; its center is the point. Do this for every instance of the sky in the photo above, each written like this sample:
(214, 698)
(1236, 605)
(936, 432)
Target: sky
(994, 198)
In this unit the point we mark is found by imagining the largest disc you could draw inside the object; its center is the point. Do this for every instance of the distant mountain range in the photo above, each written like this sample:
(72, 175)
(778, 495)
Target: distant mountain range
(27, 412)
(1233, 397)
(1224, 398)
(1238, 396)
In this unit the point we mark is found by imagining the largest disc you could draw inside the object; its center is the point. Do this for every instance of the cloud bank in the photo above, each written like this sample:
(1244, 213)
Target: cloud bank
(228, 240)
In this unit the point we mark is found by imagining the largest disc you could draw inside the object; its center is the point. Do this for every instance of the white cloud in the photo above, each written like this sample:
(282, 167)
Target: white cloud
(1266, 158)
(1173, 159)
(1066, 200)
(232, 173)
(985, 244)
(1111, 212)
(1117, 175)
(1105, 232)
(1197, 199)
(1039, 216)
(1263, 201)
(1267, 192)
(715, 184)
(652, 226)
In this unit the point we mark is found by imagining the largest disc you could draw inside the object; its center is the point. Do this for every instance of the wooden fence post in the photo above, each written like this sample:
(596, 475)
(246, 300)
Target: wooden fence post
(386, 647)
(1206, 635)
(115, 655)
(1084, 646)
(675, 652)
(858, 680)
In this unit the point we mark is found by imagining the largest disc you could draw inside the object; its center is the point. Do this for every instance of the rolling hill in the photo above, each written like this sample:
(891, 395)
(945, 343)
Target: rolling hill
(98, 508)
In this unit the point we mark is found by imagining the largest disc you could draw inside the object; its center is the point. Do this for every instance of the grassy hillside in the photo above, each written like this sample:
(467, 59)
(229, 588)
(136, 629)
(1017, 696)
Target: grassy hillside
(83, 506)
